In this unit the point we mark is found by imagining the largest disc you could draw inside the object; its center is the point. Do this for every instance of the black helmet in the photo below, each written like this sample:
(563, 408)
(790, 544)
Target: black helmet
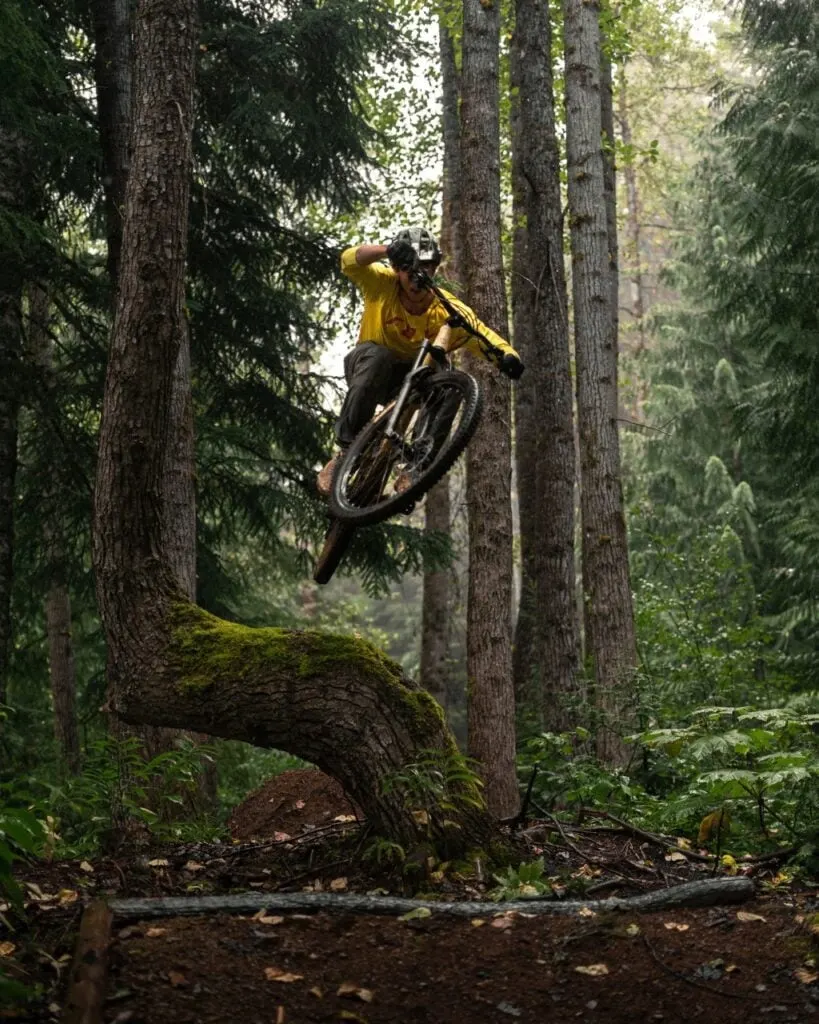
(423, 242)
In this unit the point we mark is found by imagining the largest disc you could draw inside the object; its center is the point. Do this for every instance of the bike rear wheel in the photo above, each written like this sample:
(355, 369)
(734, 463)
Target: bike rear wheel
(441, 415)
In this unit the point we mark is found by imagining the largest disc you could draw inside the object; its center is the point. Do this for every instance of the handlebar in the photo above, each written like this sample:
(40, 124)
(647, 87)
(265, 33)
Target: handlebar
(456, 317)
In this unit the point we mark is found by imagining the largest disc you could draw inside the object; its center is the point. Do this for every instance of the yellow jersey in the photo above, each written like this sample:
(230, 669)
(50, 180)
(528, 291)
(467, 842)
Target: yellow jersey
(386, 322)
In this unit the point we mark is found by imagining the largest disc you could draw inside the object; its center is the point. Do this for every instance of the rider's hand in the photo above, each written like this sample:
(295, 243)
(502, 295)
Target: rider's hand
(402, 255)
(511, 366)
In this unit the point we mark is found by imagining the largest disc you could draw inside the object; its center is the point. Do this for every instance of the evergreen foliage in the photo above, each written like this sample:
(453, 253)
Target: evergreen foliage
(733, 383)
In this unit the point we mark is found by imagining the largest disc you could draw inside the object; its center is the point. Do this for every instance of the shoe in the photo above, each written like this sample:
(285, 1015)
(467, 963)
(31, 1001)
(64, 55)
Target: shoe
(324, 480)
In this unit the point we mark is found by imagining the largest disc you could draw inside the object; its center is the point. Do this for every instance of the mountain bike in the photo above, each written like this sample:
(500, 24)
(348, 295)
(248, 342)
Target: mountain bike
(412, 443)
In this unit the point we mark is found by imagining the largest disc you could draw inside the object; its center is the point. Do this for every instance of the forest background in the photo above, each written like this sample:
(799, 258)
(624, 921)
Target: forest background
(321, 125)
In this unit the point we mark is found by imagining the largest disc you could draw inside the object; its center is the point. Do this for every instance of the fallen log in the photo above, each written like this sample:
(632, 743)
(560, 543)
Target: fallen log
(85, 998)
(706, 893)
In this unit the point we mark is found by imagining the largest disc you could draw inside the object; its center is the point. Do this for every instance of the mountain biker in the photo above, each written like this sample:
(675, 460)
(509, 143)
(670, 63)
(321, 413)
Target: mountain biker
(399, 313)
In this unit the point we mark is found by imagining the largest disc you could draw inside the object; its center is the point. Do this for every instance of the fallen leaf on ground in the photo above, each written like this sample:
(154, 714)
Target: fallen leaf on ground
(746, 915)
(632, 930)
(277, 974)
(675, 855)
(177, 979)
(415, 915)
(154, 933)
(349, 988)
(67, 896)
(338, 884)
(263, 918)
(805, 976)
(86, 867)
(7, 948)
(477, 922)
(159, 862)
(192, 865)
(675, 926)
(344, 817)
(299, 804)
(593, 970)
(281, 837)
(279, 1015)
(586, 912)
(317, 992)
(503, 921)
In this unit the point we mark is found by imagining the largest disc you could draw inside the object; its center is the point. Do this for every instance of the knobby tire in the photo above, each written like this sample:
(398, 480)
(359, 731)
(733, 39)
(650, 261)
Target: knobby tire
(374, 506)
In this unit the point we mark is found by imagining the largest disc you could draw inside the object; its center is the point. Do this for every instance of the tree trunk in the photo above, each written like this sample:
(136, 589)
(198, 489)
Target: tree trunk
(335, 701)
(112, 34)
(491, 709)
(633, 253)
(546, 637)
(609, 615)
(61, 669)
(436, 603)
(12, 197)
(112, 72)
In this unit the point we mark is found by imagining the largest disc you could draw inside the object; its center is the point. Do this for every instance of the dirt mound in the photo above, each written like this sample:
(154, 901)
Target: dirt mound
(291, 803)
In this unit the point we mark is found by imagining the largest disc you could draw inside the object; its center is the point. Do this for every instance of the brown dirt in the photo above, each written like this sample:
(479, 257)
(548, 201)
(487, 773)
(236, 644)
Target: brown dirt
(710, 966)
(455, 972)
(290, 803)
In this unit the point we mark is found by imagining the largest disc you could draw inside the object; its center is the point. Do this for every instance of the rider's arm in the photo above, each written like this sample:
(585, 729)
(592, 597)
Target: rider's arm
(362, 265)
(462, 338)
(367, 254)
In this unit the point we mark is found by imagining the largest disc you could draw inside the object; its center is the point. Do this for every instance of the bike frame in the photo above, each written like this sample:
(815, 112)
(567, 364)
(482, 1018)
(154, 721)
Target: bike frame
(438, 350)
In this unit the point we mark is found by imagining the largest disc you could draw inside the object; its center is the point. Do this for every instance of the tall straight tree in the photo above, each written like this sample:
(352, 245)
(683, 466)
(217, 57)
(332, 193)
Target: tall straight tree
(61, 669)
(112, 74)
(546, 656)
(436, 602)
(491, 699)
(609, 616)
(12, 200)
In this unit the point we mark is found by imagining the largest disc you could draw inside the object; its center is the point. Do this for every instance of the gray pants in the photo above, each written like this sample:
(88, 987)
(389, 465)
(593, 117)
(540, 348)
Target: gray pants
(374, 376)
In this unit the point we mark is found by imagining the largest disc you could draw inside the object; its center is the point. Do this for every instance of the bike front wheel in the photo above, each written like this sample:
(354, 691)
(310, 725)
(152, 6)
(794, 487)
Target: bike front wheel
(382, 475)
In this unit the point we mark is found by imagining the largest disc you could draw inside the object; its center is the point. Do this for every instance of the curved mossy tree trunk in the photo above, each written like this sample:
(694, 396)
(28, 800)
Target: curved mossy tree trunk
(335, 701)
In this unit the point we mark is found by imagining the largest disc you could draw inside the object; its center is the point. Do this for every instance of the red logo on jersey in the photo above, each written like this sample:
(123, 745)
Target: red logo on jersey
(404, 329)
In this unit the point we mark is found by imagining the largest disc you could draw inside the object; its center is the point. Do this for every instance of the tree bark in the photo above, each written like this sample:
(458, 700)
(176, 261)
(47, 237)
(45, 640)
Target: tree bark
(61, 668)
(546, 636)
(436, 601)
(113, 64)
(112, 73)
(334, 701)
(13, 198)
(607, 590)
(491, 704)
(633, 250)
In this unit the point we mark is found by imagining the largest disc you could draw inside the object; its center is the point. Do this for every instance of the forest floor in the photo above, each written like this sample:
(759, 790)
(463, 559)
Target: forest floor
(745, 963)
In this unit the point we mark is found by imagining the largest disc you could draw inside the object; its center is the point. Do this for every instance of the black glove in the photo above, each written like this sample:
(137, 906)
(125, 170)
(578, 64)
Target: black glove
(401, 254)
(511, 366)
